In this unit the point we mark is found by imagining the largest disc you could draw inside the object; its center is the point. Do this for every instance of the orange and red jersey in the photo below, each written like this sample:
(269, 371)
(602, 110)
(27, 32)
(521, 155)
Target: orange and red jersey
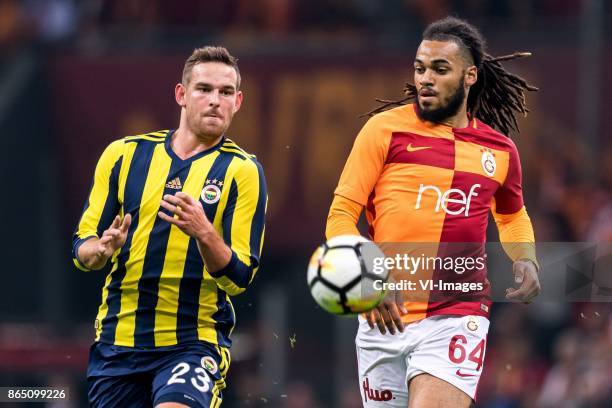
(422, 182)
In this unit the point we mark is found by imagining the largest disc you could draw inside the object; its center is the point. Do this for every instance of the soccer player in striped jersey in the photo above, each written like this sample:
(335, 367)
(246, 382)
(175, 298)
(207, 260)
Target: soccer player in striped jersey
(430, 172)
(179, 214)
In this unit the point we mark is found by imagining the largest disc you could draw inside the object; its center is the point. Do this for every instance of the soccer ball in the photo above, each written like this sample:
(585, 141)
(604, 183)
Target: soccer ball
(341, 275)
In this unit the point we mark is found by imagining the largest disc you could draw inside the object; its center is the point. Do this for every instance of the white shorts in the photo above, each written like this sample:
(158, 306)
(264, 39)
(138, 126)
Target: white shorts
(451, 348)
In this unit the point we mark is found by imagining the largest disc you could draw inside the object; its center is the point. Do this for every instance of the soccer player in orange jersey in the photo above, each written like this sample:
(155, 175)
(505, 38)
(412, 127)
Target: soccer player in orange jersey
(430, 172)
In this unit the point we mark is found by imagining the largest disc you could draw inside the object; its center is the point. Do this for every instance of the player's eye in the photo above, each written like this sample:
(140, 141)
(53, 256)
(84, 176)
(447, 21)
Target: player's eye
(441, 71)
(204, 87)
(419, 70)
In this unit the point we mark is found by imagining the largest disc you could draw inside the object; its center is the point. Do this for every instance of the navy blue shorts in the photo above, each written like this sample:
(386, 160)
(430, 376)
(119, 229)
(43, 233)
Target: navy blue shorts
(191, 374)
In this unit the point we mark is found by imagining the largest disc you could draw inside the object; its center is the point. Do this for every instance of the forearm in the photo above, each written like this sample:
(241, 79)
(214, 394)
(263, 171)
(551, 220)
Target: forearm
(224, 265)
(516, 235)
(214, 251)
(231, 266)
(343, 217)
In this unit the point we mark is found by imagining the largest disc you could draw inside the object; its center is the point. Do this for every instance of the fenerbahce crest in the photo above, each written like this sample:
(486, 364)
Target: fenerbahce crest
(211, 193)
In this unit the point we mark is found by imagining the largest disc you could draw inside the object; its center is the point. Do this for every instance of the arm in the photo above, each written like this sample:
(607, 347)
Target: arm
(189, 216)
(516, 232)
(516, 235)
(100, 231)
(94, 252)
(361, 172)
(232, 259)
(365, 162)
(243, 228)
(359, 176)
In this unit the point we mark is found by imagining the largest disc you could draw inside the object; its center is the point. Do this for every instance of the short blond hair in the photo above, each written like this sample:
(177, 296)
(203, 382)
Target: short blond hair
(210, 54)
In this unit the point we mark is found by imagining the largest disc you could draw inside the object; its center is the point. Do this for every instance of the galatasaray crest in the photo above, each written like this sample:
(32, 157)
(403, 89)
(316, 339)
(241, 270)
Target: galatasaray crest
(488, 162)
(472, 325)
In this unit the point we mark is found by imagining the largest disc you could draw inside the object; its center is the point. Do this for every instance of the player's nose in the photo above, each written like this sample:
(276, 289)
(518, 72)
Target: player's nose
(214, 98)
(426, 79)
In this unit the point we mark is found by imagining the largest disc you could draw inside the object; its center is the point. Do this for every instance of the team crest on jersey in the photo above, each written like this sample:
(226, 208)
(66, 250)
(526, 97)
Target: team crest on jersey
(211, 193)
(488, 162)
(209, 364)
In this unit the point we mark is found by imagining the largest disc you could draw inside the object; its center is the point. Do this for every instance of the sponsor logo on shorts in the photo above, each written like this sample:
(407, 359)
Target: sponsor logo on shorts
(374, 394)
(209, 364)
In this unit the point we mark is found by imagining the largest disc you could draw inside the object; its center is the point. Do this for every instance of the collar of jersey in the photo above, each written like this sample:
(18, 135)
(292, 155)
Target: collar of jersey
(203, 153)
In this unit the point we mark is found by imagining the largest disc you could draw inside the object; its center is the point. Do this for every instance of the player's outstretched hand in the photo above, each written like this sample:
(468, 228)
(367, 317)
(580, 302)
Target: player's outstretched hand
(388, 314)
(114, 237)
(188, 213)
(94, 253)
(525, 274)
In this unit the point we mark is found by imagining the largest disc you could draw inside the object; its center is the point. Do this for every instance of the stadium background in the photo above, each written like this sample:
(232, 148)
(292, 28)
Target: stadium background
(75, 75)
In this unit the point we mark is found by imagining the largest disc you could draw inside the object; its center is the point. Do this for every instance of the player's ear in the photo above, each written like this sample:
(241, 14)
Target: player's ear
(239, 98)
(471, 75)
(179, 94)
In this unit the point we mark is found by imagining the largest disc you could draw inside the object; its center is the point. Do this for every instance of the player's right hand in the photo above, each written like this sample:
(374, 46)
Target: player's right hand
(94, 253)
(114, 237)
(388, 314)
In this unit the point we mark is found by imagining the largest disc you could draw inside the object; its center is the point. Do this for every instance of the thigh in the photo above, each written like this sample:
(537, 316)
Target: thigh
(426, 391)
(452, 352)
(194, 377)
(381, 377)
(123, 391)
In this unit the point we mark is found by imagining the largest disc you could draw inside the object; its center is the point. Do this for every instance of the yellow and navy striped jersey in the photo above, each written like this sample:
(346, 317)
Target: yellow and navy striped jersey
(159, 291)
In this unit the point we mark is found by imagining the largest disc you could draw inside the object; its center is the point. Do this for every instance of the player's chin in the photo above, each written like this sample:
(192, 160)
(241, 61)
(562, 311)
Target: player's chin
(428, 104)
(213, 129)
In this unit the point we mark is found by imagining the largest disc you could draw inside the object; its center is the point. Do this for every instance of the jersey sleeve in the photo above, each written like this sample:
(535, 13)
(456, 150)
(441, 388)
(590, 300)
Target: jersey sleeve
(509, 197)
(243, 228)
(508, 209)
(343, 217)
(516, 234)
(365, 162)
(102, 204)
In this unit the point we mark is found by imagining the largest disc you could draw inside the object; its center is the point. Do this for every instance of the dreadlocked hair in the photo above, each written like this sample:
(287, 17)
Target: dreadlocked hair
(496, 97)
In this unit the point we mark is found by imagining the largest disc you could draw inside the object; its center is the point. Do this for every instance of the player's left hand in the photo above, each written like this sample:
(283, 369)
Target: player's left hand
(526, 274)
(189, 215)
(388, 314)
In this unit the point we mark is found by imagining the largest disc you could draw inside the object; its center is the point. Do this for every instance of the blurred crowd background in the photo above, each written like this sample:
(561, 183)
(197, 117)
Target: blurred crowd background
(77, 74)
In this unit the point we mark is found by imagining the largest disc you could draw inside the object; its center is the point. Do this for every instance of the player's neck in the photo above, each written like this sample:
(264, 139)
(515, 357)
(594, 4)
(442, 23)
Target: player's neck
(186, 144)
(460, 119)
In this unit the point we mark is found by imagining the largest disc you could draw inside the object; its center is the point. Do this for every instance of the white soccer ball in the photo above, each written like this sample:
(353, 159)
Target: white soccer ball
(341, 275)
